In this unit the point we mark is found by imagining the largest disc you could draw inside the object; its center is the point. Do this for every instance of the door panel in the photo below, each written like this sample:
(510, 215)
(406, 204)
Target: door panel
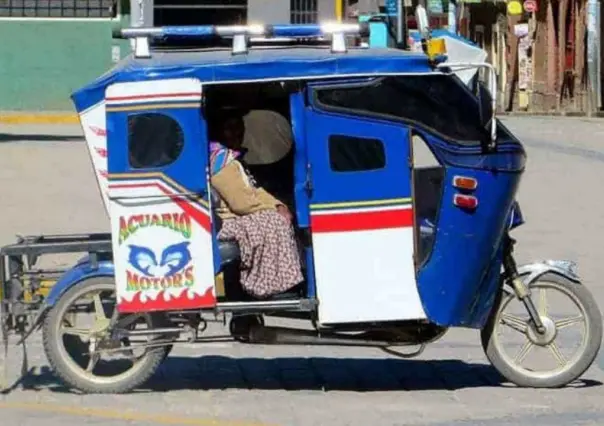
(158, 196)
(361, 219)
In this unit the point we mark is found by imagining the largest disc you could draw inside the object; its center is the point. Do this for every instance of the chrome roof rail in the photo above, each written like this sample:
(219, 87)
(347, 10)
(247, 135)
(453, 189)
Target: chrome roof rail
(243, 35)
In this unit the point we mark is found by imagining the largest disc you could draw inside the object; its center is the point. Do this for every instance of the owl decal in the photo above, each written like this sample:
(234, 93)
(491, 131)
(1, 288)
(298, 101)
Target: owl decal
(172, 260)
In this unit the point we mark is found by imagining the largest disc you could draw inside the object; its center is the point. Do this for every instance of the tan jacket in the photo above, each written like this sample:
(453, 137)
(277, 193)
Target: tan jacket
(237, 195)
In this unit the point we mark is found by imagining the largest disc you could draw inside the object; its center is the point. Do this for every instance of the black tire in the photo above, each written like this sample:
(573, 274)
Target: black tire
(523, 377)
(70, 369)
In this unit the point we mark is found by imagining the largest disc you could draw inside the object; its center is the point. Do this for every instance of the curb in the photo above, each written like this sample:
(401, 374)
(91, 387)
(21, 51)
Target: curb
(598, 114)
(42, 118)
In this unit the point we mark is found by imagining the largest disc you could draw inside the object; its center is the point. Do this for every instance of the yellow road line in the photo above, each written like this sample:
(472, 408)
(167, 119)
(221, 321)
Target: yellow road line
(122, 415)
(25, 118)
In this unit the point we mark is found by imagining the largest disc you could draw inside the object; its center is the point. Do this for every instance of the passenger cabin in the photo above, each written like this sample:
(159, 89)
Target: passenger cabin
(366, 130)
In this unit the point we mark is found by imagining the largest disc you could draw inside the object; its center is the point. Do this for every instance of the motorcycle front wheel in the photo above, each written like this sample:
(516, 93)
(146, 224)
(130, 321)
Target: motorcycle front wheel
(531, 359)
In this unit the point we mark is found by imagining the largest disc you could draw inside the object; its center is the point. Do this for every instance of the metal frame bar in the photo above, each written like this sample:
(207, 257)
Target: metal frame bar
(36, 245)
(458, 66)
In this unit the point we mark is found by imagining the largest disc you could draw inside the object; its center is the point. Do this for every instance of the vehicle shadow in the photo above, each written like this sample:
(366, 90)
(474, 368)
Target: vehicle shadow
(11, 137)
(297, 373)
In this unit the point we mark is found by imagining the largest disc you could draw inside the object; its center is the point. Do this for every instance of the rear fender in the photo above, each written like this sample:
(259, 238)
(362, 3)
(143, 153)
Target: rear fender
(85, 268)
(81, 271)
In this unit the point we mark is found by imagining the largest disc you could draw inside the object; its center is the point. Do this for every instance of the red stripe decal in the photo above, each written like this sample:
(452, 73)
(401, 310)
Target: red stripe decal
(198, 216)
(164, 95)
(362, 221)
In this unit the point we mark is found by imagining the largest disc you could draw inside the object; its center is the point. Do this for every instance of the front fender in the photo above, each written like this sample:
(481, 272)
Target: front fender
(533, 271)
(81, 271)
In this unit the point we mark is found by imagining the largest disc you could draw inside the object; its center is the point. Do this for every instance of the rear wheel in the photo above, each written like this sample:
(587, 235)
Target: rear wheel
(530, 359)
(88, 355)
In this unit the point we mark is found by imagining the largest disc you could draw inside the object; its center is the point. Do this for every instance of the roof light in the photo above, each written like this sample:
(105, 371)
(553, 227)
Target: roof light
(205, 31)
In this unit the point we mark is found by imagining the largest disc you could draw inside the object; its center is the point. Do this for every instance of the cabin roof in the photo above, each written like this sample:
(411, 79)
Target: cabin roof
(275, 63)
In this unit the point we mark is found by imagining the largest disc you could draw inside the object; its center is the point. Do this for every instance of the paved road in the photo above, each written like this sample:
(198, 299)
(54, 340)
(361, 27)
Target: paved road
(47, 186)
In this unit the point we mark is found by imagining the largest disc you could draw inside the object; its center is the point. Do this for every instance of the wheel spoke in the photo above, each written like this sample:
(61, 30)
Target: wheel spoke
(514, 322)
(542, 309)
(94, 359)
(524, 352)
(567, 322)
(99, 311)
(128, 321)
(553, 348)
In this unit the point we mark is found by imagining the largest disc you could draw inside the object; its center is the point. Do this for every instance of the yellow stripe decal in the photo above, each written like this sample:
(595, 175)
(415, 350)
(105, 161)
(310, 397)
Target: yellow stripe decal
(370, 203)
(161, 176)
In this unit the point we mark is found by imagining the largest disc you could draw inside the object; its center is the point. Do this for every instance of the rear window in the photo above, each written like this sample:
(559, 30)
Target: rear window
(440, 103)
(154, 140)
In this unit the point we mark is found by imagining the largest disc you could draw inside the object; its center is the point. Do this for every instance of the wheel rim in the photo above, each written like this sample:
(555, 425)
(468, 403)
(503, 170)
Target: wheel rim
(536, 346)
(111, 360)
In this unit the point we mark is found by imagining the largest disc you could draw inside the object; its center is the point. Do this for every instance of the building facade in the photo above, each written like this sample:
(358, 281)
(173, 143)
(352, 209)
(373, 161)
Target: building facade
(51, 48)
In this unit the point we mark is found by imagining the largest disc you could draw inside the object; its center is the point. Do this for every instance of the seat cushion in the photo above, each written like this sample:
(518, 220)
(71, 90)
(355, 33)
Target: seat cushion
(229, 251)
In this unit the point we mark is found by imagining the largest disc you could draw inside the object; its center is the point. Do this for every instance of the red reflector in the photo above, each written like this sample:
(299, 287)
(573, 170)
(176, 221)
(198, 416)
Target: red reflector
(464, 182)
(465, 201)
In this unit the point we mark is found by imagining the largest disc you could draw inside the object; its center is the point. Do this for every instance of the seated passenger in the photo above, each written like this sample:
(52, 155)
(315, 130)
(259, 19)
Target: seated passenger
(257, 221)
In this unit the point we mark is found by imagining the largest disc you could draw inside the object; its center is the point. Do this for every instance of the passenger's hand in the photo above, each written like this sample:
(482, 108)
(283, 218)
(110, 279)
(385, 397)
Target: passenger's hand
(284, 211)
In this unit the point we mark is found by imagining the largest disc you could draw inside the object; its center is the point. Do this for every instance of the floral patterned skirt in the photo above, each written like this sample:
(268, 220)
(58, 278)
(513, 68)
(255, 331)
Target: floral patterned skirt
(270, 261)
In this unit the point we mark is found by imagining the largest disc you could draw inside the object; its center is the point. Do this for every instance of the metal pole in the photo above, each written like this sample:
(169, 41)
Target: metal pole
(452, 17)
(593, 41)
(141, 13)
(339, 8)
(599, 55)
(400, 12)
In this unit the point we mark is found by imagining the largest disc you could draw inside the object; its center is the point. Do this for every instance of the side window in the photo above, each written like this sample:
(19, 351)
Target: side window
(440, 103)
(154, 140)
(354, 154)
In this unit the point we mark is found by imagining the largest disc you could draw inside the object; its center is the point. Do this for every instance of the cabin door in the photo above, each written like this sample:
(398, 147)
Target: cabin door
(158, 196)
(361, 218)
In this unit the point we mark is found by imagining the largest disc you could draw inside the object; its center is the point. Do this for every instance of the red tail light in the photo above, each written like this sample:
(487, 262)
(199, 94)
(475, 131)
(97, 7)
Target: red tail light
(468, 202)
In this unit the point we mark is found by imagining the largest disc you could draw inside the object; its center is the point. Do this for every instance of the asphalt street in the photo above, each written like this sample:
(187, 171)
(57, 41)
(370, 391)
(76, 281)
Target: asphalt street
(47, 186)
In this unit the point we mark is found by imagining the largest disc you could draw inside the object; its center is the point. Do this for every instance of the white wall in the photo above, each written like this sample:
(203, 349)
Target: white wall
(268, 11)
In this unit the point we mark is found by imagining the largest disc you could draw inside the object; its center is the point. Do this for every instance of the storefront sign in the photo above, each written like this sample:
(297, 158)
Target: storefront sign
(392, 7)
(436, 6)
(514, 7)
(530, 6)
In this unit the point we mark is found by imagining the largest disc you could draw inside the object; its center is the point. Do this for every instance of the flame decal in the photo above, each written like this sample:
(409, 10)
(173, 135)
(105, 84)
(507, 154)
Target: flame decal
(98, 131)
(102, 152)
(182, 301)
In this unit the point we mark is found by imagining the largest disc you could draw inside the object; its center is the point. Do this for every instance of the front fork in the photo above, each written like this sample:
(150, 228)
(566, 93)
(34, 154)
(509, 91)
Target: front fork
(522, 291)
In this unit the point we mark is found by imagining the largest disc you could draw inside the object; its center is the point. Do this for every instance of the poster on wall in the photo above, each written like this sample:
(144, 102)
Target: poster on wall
(525, 63)
(521, 30)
